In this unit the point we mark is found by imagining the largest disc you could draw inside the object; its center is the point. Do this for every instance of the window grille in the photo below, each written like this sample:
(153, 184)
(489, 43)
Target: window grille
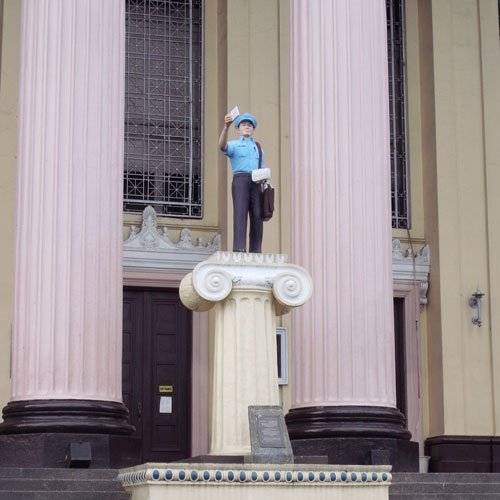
(163, 107)
(396, 39)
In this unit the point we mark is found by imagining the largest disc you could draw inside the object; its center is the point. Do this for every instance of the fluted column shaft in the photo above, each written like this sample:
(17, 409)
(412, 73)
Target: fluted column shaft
(245, 369)
(343, 339)
(68, 280)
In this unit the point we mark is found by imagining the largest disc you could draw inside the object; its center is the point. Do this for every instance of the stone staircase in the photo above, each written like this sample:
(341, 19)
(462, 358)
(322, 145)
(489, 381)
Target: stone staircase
(443, 486)
(60, 484)
(102, 484)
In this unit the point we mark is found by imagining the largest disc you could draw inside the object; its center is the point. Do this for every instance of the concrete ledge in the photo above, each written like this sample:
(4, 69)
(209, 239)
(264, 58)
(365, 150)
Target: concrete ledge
(256, 481)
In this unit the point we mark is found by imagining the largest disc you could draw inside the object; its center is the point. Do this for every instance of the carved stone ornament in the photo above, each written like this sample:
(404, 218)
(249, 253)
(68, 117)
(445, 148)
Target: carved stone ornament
(212, 281)
(407, 267)
(153, 250)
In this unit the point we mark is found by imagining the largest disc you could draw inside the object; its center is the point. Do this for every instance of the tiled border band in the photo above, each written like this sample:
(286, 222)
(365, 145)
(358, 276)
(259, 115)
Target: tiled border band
(249, 475)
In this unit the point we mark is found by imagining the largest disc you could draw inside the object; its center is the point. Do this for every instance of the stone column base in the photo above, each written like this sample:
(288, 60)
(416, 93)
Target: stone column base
(363, 435)
(402, 455)
(65, 415)
(51, 450)
(346, 421)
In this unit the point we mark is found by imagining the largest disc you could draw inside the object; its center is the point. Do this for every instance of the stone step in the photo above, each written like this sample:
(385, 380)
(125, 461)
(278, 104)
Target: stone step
(72, 484)
(450, 496)
(64, 495)
(415, 477)
(436, 488)
(449, 486)
(59, 484)
(38, 473)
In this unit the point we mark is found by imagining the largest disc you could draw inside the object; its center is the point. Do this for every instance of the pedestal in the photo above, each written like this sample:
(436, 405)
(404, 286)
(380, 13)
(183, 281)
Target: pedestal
(247, 291)
(186, 481)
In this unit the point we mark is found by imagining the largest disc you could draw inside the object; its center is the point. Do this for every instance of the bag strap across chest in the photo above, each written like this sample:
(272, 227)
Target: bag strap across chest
(260, 154)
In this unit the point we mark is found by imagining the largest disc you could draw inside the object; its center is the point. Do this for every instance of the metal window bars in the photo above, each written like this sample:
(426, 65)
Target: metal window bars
(163, 114)
(163, 107)
(396, 41)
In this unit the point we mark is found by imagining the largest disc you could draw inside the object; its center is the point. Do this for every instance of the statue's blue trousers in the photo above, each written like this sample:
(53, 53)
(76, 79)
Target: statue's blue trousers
(247, 201)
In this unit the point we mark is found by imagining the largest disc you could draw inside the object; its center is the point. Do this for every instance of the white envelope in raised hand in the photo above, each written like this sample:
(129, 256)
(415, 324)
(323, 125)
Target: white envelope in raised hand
(234, 113)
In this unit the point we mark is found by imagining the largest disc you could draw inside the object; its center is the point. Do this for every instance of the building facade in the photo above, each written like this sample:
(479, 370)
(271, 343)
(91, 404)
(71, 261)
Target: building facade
(108, 108)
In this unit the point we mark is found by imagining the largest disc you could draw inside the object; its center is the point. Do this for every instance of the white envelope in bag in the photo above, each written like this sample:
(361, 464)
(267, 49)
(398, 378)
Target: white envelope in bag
(261, 174)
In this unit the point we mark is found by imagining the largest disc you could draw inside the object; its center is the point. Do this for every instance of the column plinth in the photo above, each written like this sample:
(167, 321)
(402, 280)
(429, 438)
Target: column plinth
(247, 291)
(65, 415)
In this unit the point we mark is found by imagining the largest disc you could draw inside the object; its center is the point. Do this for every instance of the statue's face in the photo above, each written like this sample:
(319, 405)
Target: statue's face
(246, 129)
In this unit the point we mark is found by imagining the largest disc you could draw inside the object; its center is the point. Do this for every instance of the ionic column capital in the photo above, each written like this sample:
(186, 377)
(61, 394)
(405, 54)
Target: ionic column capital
(213, 280)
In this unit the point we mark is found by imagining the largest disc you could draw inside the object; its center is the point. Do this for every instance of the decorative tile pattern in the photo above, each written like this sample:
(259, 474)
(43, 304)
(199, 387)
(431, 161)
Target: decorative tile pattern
(252, 475)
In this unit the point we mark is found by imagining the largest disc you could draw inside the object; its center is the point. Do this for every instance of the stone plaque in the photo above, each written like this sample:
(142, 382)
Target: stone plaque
(270, 432)
(268, 436)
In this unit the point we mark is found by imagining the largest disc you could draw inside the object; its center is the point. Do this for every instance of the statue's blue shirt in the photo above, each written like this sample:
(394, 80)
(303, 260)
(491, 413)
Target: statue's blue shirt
(243, 154)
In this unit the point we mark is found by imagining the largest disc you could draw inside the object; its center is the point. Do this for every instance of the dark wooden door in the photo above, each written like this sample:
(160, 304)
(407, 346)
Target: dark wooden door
(157, 371)
(400, 358)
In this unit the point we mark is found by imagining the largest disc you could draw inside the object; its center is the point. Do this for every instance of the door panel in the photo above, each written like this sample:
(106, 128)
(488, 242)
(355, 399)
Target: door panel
(400, 355)
(157, 371)
(133, 312)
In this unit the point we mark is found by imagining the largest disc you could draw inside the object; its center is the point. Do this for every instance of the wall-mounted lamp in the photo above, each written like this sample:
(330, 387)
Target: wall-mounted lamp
(475, 303)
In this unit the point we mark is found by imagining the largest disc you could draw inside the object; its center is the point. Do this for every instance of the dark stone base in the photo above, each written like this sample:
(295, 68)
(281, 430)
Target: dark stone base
(346, 421)
(356, 435)
(463, 453)
(402, 455)
(52, 450)
(495, 454)
(65, 415)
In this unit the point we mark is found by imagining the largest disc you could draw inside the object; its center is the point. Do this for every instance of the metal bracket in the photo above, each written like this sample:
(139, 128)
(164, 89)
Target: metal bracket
(475, 303)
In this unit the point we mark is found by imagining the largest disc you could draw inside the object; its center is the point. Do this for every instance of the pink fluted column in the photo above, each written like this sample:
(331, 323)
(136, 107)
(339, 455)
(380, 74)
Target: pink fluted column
(343, 339)
(67, 331)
